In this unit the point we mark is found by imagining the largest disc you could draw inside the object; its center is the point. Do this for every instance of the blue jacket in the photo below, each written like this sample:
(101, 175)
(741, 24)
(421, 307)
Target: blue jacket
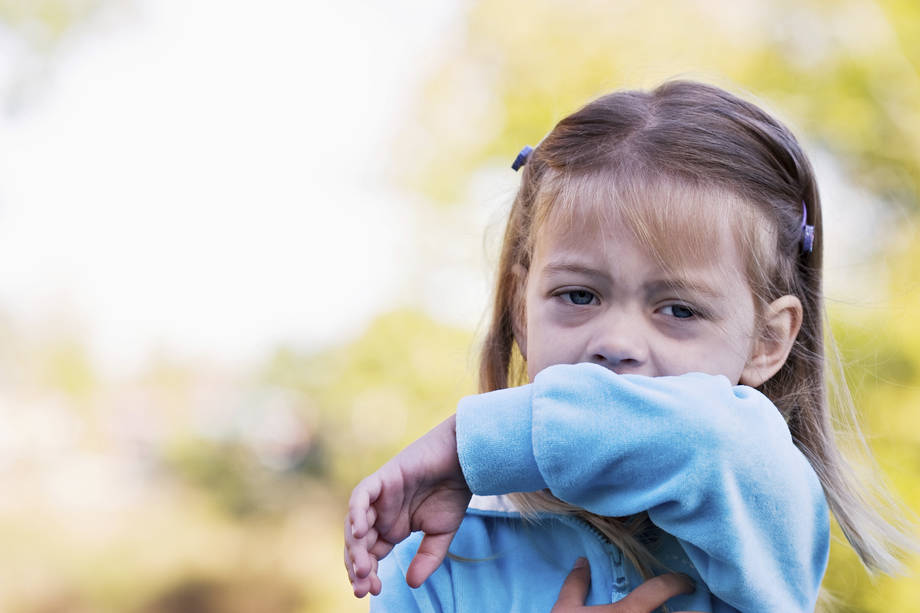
(741, 510)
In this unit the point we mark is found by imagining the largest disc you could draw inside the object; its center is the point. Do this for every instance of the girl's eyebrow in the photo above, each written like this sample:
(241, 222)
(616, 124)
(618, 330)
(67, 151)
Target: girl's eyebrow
(568, 266)
(579, 268)
(697, 288)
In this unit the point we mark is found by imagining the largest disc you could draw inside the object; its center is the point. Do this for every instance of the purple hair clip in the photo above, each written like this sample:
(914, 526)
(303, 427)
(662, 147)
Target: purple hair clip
(521, 158)
(807, 231)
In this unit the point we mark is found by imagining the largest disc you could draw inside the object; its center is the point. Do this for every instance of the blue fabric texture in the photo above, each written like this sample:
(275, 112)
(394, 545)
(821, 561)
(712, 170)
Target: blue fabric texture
(740, 507)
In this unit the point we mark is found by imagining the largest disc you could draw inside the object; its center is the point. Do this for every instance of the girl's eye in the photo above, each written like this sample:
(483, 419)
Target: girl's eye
(679, 311)
(579, 296)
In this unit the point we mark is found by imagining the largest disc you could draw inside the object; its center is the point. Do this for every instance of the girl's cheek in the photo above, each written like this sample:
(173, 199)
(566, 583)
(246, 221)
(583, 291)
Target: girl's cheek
(556, 344)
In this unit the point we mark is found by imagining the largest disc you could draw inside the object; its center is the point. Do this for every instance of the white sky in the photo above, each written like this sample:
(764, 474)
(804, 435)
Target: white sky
(203, 176)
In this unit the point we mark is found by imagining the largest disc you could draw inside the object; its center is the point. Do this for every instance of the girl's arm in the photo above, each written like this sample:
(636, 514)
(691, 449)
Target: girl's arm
(713, 464)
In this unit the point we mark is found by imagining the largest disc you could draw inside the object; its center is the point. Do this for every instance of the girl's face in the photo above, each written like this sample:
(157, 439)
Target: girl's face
(594, 295)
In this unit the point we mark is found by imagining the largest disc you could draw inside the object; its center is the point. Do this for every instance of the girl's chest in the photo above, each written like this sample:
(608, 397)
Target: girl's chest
(517, 566)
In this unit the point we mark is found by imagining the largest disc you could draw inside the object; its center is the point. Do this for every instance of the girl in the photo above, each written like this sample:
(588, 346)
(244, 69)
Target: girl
(660, 285)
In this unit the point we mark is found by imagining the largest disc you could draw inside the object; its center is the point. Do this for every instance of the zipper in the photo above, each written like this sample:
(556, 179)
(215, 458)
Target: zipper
(620, 581)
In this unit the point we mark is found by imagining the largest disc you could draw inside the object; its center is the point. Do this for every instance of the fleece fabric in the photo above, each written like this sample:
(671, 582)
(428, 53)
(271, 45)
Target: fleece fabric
(739, 507)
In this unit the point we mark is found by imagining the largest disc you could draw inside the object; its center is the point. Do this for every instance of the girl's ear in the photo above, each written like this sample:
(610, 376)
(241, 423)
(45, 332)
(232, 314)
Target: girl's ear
(518, 310)
(781, 322)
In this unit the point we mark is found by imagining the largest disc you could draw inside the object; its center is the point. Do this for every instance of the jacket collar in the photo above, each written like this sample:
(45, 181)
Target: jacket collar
(492, 505)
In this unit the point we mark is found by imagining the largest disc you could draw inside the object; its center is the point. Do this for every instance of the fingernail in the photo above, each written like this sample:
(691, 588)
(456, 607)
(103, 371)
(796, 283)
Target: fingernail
(581, 563)
(353, 530)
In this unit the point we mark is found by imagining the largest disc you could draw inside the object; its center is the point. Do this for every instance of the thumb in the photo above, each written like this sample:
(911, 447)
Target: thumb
(575, 587)
(428, 558)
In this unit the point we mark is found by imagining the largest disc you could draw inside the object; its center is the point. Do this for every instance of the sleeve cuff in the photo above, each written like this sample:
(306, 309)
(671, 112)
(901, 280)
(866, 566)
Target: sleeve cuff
(495, 443)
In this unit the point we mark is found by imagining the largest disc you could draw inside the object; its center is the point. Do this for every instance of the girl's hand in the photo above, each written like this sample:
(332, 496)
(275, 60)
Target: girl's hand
(644, 599)
(422, 488)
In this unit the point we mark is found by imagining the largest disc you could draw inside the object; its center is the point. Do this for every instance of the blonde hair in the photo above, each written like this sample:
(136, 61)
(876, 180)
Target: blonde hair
(670, 161)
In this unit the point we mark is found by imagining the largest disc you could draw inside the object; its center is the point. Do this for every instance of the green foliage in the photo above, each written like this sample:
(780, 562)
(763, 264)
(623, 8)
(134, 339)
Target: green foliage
(881, 356)
(223, 595)
(381, 391)
(66, 367)
(229, 474)
(844, 73)
(224, 471)
(45, 22)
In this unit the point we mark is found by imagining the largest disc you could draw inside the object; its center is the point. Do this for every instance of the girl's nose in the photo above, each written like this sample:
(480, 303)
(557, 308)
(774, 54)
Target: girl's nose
(620, 343)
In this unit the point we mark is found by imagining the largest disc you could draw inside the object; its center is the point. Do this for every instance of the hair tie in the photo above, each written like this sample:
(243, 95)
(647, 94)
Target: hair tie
(521, 158)
(807, 231)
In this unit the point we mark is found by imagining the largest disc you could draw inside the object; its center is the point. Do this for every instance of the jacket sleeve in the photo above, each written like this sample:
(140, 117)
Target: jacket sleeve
(714, 465)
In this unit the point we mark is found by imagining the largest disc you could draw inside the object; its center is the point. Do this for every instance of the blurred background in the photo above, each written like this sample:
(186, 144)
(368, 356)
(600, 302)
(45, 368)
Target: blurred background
(245, 253)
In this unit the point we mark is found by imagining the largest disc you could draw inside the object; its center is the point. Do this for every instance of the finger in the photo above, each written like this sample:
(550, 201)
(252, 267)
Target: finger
(364, 494)
(353, 547)
(381, 549)
(361, 556)
(359, 586)
(349, 568)
(357, 508)
(575, 587)
(655, 592)
(369, 584)
(350, 539)
(374, 580)
(428, 558)
(371, 516)
(362, 587)
(358, 548)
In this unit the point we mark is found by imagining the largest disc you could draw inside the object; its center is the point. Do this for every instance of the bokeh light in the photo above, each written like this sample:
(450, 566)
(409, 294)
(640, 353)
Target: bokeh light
(245, 253)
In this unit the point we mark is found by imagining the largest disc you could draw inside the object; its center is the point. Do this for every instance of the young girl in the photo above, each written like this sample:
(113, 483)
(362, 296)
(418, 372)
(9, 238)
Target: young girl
(660, 285)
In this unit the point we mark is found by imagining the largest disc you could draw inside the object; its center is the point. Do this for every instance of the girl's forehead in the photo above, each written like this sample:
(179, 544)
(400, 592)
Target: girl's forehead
(679, 226)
